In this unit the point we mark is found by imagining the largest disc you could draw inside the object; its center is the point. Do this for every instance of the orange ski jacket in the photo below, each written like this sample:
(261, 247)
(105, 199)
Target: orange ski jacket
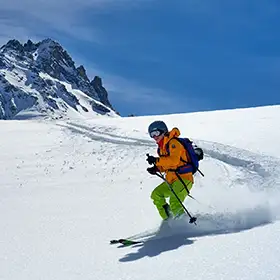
(177, 157)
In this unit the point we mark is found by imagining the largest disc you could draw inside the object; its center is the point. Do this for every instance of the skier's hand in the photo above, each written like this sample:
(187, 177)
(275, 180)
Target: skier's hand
(153, 170)
(151, 159)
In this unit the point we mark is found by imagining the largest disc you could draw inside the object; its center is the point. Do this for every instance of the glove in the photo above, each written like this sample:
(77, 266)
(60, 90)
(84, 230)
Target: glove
(153, 170)
(151, 159)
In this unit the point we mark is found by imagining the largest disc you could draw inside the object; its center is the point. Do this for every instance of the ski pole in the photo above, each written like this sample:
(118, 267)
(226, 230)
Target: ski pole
(192, 219)
(200, 172)
(186, 187)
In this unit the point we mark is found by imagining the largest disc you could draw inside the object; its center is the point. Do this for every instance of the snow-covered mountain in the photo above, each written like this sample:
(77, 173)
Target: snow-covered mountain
(42, 78)
(69, 187)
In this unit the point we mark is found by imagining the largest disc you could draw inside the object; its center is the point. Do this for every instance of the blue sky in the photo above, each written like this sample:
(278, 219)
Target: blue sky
(159, 56)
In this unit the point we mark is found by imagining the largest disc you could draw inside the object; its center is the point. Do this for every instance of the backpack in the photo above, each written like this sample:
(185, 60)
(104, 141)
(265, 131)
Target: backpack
(195, 153)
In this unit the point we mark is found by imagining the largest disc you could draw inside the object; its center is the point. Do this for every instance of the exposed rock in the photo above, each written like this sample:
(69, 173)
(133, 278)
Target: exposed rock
(82, 72)
(101, 91)
(38, 74)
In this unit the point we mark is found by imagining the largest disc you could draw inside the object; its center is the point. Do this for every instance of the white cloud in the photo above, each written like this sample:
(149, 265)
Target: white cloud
(38, 19)
(127, 90)
(63, 16)
(22, 22)
(143, 98)
(9, 30)
(139, 95)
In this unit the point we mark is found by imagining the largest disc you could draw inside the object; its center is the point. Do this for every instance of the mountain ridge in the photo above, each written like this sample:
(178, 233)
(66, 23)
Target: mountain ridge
(42, 77)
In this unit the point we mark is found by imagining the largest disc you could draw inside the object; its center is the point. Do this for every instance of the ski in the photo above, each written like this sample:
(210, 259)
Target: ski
(125, 242)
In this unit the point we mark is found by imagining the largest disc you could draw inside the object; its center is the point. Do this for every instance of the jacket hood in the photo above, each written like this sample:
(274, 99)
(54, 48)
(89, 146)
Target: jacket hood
(174, 133)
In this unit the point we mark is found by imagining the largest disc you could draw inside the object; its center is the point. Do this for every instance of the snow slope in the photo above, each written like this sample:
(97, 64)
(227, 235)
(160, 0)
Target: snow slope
(68, 188)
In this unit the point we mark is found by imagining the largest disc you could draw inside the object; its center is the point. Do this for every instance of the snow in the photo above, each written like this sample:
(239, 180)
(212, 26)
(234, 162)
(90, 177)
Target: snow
(84, 100)
(69, 187)
(24, 90)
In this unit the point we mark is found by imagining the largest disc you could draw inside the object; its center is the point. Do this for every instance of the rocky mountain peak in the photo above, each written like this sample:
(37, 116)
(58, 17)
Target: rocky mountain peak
(82, 72)
(29, 46)
(102, 92)
(28, 67)
(53, 59)
(97, 82)
(13, 45)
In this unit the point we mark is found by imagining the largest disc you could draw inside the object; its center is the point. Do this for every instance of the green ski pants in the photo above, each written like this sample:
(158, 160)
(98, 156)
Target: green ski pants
(162, 192)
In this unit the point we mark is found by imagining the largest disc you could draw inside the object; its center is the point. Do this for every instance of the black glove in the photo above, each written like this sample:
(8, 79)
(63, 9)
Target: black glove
(153, 170)
(151, 159)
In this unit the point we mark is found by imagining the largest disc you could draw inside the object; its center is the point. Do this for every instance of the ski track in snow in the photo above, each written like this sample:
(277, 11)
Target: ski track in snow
(97, 135)
(257, 184)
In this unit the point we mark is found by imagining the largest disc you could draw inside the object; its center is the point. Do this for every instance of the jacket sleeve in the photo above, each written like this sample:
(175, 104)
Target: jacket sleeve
(172, 161)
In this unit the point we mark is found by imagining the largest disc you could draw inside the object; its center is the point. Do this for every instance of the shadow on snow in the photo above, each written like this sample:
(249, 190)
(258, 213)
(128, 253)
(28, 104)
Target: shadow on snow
(155, 246)
(177, 233)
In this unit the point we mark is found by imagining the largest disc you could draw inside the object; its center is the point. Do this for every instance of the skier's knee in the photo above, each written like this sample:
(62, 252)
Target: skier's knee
(155, 195)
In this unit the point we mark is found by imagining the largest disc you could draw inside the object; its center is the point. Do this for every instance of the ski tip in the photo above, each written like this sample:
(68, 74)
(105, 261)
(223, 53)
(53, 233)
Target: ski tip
(125, 242)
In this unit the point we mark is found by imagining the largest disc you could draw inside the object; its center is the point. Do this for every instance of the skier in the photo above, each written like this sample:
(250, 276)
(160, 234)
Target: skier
(172, 156)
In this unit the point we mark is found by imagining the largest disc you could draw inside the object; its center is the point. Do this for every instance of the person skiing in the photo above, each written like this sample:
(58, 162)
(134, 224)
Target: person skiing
(173, 160)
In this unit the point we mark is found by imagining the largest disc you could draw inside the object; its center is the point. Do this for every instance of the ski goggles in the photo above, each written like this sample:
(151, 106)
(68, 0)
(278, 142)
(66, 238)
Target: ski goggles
(155, 133)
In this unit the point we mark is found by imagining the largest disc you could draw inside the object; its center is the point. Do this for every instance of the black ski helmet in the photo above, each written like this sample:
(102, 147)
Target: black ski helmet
(158, 125)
